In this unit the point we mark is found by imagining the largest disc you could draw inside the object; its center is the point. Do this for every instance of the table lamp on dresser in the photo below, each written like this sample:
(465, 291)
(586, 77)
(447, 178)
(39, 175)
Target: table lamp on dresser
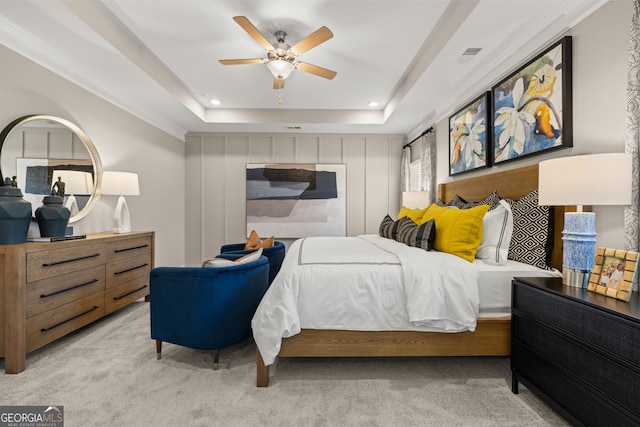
(583, 180)
(120, 184)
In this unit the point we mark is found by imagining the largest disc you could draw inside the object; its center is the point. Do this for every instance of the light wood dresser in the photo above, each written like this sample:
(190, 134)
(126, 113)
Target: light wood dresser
(49, 289)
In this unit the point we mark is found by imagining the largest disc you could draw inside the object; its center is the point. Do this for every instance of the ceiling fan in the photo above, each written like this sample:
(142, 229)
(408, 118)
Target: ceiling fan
(281, 57)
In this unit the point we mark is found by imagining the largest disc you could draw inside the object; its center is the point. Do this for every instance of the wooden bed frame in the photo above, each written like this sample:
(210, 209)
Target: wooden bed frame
(492, 336)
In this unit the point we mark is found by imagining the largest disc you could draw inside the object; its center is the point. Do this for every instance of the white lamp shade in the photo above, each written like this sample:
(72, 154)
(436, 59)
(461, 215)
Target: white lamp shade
(593, 179)
(415, 199)
(120, 183)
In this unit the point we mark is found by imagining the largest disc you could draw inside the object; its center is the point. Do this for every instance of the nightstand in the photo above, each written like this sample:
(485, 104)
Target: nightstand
(577, 350)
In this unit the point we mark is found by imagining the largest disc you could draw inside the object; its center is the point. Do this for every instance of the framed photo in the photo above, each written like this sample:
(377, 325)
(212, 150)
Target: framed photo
(532, 108)
(613, 273)
(469, 137)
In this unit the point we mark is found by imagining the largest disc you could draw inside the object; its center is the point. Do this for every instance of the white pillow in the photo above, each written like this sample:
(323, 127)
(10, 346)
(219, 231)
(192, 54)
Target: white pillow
(223, 262)
(253, 256)
(218, 263)
(497, 229)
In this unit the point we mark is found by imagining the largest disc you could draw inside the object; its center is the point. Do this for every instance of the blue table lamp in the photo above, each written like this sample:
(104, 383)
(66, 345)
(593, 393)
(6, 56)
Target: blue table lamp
(583, 180)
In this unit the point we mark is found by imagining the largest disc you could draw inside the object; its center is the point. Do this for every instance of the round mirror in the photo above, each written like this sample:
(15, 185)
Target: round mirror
(44, 155)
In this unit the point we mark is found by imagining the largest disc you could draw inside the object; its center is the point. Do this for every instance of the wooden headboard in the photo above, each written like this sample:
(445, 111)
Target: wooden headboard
(510, 184)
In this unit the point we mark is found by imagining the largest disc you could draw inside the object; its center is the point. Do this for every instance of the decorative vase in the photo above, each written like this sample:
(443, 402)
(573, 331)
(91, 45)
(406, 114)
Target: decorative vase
(15, 216)
(52, 217)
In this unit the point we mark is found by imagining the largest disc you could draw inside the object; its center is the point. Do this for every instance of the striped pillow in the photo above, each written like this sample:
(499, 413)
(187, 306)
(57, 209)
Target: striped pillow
(388, 228)
(412, 234)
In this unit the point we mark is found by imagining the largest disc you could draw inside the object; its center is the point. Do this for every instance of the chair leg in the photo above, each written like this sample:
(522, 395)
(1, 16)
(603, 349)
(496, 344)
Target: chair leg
(159, 349)
(216, 359)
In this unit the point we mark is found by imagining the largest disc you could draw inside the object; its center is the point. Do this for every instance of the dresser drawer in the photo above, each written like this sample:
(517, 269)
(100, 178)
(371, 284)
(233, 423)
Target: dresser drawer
(53, 324)
(126, 293)
(612, 334)
(46, 294)
(587, 407)
(603, 375)
(128, 269)
(45, 264)
(127, 248)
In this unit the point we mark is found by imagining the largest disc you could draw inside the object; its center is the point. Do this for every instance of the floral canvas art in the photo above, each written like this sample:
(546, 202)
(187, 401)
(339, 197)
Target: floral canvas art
(532, 107)
(469, 132)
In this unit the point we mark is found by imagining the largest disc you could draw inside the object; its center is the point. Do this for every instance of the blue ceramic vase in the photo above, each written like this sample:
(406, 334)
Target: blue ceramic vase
(15, 216)
(52, 217)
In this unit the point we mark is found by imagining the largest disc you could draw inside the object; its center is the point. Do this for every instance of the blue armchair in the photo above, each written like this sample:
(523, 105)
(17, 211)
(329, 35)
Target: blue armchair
(206, 308)
(274, 253)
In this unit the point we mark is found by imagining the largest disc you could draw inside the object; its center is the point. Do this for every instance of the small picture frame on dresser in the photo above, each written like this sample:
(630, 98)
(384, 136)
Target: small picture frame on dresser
(613, 272)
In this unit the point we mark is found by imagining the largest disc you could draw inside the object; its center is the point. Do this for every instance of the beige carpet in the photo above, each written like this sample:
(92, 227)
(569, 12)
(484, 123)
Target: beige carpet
(107, 375)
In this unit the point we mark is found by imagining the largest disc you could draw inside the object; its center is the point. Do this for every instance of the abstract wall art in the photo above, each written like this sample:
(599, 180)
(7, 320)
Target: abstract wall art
(293, 200)
(470, 137)
(532, 108)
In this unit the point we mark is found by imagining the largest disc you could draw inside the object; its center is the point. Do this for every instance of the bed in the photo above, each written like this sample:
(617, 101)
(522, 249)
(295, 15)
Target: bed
(491, 332)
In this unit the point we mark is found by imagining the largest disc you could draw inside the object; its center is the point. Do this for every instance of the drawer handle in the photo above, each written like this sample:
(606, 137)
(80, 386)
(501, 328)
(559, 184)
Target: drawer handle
(51, 264)
(131, 269)
(130, 249)
(69, 289)
(129, 293)
(95, 307)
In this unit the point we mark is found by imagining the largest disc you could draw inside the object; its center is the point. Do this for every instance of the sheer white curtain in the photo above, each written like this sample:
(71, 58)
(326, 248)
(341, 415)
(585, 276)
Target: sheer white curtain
(632, 138)
(428, 164)
(405, 166)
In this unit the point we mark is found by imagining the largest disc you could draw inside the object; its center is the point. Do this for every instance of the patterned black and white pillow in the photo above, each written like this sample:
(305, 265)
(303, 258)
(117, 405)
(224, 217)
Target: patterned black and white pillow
(457, 202)
(418, 236)
(532, 239)
(388, 227)
(493, 200)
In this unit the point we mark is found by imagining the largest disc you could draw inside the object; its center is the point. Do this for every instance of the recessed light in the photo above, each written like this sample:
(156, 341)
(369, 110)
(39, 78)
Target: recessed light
(373, 103)
(215, 101)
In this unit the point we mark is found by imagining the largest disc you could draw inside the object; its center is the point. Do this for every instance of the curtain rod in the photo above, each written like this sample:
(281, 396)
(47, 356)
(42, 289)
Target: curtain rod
(418, 137)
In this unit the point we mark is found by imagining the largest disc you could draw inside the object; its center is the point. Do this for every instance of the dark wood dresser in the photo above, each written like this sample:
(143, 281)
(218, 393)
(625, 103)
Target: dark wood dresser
(577, 350)
(50, 289)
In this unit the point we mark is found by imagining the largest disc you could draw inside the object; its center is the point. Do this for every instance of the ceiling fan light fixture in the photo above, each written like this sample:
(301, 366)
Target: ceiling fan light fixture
(280, 69)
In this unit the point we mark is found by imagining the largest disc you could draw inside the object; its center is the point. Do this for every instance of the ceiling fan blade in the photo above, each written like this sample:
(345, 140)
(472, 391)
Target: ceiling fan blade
(319, 36)
(253, 32)
(318, 71)
(278, 83)
(241, 61)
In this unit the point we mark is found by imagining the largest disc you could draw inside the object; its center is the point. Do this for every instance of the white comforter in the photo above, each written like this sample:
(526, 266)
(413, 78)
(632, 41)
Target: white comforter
(365, 283)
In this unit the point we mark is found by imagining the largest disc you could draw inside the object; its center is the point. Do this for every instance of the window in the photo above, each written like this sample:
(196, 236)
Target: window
(415, 176)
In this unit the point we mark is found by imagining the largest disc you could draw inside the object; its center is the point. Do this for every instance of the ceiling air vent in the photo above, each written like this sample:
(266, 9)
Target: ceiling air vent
(472, 51)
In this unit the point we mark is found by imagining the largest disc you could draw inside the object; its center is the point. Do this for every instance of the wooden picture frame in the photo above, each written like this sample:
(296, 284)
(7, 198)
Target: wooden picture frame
(613, 272)
(470, 136)
(532, 107)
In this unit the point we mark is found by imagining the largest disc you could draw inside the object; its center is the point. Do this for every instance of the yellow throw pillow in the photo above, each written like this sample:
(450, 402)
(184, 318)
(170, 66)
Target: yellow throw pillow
(254, 242)
(414, 214)
(458, 231)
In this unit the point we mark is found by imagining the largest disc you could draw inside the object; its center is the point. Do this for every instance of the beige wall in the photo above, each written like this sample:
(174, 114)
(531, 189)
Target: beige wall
(600, 45)
(207, 174)
(123, 142)
(215, 178)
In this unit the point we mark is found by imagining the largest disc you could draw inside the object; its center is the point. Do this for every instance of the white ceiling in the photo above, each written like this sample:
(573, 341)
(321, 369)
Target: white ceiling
(159, 59)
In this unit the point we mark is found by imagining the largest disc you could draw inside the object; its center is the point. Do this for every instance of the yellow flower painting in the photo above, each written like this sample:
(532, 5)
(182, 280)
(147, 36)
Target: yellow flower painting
(469, 136)
(532, 107)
